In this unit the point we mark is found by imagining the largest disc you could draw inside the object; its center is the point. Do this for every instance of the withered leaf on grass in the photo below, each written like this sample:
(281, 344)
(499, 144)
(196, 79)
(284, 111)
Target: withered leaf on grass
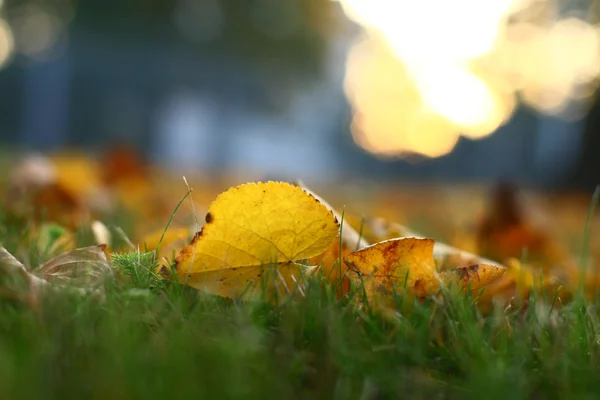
(255, 230)
(408, 263)
(85, 267)
(79, 271)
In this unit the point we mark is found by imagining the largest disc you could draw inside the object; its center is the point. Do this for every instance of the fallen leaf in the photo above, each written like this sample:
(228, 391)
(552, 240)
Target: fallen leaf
(473, 276)
(13, 268)
(395, 264)
(83, 267)
(446, 256)
(252, 230)
(408, 263)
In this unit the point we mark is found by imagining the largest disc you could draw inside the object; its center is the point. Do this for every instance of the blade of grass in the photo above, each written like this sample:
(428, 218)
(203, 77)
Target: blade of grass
(585, 247)
(170, 220)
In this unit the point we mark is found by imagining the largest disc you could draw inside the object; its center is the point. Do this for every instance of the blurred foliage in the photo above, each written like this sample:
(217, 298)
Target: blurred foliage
(289, 32)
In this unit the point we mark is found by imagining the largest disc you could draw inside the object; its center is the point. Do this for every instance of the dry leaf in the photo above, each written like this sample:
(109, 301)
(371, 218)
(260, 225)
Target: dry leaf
(473, 276)
(84, 267)
(11, 267)
(65, 269)
(395, 264)
(446, 256)
(251, 226)
(408, 263)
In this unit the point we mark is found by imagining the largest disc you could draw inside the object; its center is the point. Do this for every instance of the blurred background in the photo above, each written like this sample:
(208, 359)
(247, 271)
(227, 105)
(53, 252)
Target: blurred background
(437, 90)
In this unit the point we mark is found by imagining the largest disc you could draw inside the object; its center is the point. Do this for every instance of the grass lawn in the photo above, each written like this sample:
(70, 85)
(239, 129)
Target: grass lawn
(177, 343)
(170, 341)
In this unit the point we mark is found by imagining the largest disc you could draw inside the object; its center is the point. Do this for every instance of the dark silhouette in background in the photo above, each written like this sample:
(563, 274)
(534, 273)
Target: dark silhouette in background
(585, 174)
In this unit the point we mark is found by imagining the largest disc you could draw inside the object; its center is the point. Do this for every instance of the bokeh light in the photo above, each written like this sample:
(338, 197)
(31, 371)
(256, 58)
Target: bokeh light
(37, 31)
(427, 72)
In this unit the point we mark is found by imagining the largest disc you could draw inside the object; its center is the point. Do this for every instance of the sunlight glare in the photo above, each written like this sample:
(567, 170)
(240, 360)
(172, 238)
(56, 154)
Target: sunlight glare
(427, 72)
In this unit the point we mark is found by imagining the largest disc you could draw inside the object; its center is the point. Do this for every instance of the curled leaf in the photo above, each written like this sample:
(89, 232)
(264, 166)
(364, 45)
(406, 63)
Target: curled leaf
(84, 267)
(35, 286)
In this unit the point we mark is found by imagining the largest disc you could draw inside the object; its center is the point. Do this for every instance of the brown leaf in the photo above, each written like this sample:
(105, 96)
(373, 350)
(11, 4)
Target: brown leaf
(408, 263)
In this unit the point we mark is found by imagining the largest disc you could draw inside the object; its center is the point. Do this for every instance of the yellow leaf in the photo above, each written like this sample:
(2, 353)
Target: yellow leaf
(395, 264)
(254, 225)
(252, 281)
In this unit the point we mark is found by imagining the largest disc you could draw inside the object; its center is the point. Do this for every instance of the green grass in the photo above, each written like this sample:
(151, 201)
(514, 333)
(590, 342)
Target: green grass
(177, 343)
(154, 339)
